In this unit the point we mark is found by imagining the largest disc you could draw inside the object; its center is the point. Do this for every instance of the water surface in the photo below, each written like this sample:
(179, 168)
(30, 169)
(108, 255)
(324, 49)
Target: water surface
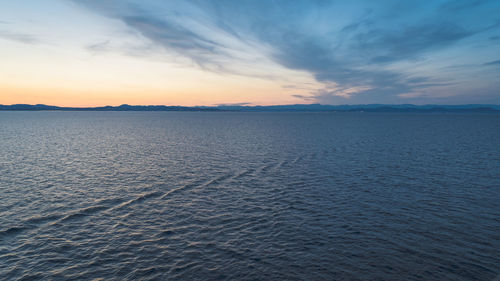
(249, 196)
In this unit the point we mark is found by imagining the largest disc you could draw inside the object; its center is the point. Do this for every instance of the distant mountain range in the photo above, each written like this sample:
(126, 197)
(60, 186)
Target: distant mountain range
(273, 108)
(123, 107)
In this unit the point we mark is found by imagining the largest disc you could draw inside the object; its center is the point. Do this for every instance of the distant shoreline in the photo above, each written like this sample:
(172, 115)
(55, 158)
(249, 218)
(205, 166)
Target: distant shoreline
(480, 108)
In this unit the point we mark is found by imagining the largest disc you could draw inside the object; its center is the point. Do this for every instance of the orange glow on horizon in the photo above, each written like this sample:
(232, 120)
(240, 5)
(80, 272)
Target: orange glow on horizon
(95, 98)
(43, 75)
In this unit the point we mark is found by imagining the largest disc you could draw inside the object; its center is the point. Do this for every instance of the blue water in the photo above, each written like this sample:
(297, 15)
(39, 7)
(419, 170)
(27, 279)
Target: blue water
(249, 196)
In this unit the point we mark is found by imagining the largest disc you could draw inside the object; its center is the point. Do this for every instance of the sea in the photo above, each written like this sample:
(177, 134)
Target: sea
(249, 196)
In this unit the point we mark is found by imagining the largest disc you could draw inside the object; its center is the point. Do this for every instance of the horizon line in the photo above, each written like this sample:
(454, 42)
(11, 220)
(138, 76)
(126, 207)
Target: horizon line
(253, 105)
(272, 108)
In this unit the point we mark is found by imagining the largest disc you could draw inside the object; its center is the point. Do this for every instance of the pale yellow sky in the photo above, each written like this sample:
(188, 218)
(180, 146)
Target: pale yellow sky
(41, 74)
(47, 74)
(112, 65)
(148, 52)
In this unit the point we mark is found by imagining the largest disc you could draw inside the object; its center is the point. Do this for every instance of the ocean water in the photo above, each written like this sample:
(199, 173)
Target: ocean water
(249, 196)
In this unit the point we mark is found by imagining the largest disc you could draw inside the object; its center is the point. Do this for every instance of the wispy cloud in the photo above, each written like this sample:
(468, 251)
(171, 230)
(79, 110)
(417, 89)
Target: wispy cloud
(99, 47)
(354, 56)
(496, 62)
(460, 5)
(20, 37)
(183, 29)
(234, 104)
(305, 98)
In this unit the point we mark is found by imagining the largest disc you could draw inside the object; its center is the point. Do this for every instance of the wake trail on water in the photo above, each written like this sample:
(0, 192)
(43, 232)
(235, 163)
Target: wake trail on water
(113, 204)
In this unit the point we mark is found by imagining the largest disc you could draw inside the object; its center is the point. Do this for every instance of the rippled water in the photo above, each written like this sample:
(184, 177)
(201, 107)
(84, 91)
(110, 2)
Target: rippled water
(250, 196)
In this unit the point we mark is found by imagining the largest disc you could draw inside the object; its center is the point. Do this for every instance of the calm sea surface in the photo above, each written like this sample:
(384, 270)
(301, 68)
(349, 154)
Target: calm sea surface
(249, 196)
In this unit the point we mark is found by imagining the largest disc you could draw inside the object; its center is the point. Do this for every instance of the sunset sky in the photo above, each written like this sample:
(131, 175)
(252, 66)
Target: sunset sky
(94, 52)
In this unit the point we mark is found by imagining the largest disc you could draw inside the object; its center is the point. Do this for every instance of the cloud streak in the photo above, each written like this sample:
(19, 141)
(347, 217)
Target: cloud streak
(182, 29)
(19, 37)
(357, 51)
(496, 62)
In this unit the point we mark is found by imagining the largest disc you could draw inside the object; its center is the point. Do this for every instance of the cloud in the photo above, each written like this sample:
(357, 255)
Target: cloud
(460, 5)
(176, 37)
(496, 62)
(305, 98)
(361, 50)
(234, 104)
(19, 37)
(183, 29)
(99, 47)
(409, 42)
(359, 60)
(352, 77)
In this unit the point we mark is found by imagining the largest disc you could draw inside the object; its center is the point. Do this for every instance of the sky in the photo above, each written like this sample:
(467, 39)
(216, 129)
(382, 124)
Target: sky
(249, 52)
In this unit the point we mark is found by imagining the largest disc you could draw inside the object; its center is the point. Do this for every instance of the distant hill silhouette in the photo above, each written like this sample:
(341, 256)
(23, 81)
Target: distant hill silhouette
(274, 108)
(123, 107)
